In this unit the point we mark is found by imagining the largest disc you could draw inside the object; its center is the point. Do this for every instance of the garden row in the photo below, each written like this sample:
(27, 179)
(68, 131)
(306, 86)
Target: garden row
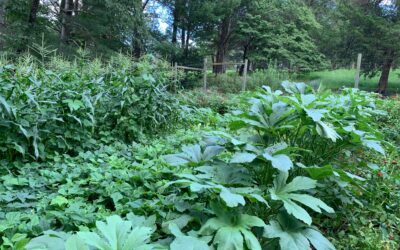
(82, 167)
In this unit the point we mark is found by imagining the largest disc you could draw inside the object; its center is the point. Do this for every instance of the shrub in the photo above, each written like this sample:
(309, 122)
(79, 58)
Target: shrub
(231, 82)
(286, 145)
(64, 106)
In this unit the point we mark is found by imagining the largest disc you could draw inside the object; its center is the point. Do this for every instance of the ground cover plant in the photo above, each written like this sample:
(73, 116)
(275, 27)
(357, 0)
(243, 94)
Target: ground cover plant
(98, 156)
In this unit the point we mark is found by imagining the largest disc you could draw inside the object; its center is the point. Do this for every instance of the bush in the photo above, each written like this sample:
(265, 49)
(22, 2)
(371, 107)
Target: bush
(63, 106)
(217, 102)
(231, 82)
(293, 170)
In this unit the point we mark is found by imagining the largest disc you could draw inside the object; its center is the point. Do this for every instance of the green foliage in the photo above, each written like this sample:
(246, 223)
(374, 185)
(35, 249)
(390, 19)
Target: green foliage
(67, 108)
(288, 171)
(344, 78)
(285, 193)
(117, 234)
(233, 233)
(282, 35)
(293, 234)
(232, 83)
(219, 103)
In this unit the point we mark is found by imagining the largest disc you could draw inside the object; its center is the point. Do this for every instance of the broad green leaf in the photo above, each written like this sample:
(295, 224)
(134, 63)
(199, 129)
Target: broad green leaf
(175, 159)
(75, 243)
(228, 238)
(74, 104)
(188, 243)
(137, 239)
(375, 145)
(299, 183)
(231, 234)
(118, 234)
(175, 230)
(179, 222)
(94, 240)
(193, 154)
(280, 162)
(295, 210)
(210, 152)
(315, 114)
(317, 239)
(298, 238)
(287, 240)
(19, 148)
(183, 241)
(114, 230)
(251, 240)
(327, 130)
(307, 99)
(285, 193)
(51, 240)
(59, 201)
(318, 173)
(249, 221)
(311, 202)
(5, 104)
(243, 157)
(212, 225)
(231, 199)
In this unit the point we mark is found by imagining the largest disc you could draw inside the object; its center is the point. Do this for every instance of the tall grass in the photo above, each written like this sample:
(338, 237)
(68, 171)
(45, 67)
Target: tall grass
(345, 78)
(231, 82)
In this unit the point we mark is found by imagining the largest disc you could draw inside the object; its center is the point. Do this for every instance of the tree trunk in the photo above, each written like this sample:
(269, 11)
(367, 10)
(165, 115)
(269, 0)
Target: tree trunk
(33, 13)
(383, 81)
(219, 58)
(245, 50)
(137, 45)
(222, 44)
(76, 7)
(137, 36)
(66, 12)
(2, 23)
(183, 37)
(175, 23)
(187, 43)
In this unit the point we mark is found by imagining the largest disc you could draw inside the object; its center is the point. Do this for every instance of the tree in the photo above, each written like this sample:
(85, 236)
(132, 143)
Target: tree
(34, 9)
(280, 31)
(228, 12)
(2, 22)
(372, 26)
(67, 8)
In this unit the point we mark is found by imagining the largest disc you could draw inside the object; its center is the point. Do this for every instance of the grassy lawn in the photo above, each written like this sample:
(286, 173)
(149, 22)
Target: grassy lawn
(345, 77)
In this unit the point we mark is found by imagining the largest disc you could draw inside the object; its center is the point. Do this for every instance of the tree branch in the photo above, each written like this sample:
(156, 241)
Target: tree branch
(145, 4)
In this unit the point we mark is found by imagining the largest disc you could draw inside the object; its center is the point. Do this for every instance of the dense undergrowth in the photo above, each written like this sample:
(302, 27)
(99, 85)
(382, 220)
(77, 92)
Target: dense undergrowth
(104, 157)
(66, 107)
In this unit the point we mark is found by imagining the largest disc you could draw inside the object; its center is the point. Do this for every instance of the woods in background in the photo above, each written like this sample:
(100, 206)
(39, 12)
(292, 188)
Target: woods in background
(299, 35)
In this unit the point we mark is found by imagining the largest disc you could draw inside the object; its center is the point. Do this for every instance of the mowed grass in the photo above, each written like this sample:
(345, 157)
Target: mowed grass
(337, 79)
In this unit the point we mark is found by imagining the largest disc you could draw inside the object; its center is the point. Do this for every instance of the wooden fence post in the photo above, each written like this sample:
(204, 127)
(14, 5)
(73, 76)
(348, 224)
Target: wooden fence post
(176, 72)
(357, 77)
(205, 74)
(245, 75)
